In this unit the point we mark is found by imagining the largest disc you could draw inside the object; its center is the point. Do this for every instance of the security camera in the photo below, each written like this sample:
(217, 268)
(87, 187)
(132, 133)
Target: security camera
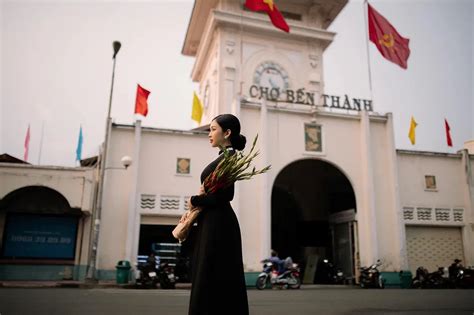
(126, 161)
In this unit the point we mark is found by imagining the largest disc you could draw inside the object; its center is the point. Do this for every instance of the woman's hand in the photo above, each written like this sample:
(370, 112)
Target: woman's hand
(191, 207)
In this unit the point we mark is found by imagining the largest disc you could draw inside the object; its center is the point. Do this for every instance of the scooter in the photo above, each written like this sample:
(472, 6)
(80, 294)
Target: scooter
(166, 276)
(148, 276)
(426, 280)
(459, 276)
(370, 277)
(327, 273)
(145, 276)
(270, 277)
(464, 278)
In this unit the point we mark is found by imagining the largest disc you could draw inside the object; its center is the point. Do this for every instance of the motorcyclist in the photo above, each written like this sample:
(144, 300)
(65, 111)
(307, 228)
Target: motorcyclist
(274, 259)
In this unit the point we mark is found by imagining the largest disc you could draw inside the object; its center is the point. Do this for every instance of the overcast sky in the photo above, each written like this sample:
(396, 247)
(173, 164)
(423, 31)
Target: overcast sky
(438, 83)
(55, 62)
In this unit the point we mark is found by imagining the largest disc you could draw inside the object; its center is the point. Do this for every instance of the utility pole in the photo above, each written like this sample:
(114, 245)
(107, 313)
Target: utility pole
(91, 274)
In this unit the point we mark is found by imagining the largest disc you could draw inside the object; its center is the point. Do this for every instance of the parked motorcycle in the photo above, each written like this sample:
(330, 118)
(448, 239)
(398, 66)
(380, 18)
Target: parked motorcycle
(465, 278)
(459, 276)
(288, 278)
(148, 276)
(166, 276)
(182, 270)
(145, 275)
(370, 277)
(426, 280)
(327, 273)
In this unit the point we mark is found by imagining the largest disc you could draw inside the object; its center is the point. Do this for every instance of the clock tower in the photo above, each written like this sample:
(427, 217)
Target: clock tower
(272, 81)
(236, 49)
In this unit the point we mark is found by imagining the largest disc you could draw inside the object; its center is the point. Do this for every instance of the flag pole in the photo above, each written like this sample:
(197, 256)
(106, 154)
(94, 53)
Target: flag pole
(366, 10)
(26, 144)
(79, 147)
(241, 52)
(41, 143)
(75, 158)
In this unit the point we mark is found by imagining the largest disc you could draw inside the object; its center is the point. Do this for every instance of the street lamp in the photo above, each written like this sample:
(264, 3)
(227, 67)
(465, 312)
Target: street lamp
(92, 262)
(126, 162)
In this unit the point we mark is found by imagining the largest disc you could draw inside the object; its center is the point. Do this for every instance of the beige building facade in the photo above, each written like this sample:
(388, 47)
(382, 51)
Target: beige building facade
(437, 206)
(45, 221)
(337, 189)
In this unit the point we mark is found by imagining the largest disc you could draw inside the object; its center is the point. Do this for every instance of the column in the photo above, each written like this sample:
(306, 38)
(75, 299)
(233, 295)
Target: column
(131, 248)
(265, 205)
(366, 217)
(400, 259)
(468, 229)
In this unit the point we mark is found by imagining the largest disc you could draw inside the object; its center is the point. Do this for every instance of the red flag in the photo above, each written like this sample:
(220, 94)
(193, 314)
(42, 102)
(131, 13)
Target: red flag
(27, 144)
(390, 44)
(272, 11)
(448, 133)
(141, 104)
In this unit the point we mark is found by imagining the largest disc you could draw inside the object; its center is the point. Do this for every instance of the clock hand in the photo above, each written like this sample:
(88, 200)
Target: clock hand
(271, 83)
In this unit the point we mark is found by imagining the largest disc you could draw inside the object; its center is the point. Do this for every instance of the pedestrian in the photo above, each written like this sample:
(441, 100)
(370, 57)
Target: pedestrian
(218, 282)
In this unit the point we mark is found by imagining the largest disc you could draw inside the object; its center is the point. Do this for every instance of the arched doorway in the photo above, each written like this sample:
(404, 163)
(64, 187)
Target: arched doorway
(37, 227)
(313, 217)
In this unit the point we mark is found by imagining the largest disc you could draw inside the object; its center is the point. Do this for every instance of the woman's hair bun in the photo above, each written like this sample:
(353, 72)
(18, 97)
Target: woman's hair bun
(239, 142)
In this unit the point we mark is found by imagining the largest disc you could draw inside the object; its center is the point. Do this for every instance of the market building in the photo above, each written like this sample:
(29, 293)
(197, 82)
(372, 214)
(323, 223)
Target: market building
(338, 187)
(45, 220)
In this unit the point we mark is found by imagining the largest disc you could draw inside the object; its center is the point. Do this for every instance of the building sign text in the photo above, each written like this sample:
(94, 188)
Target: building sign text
(303, 97)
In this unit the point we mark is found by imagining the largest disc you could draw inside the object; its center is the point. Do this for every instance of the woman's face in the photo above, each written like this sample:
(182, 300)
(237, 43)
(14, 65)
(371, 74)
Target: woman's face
(217, 137)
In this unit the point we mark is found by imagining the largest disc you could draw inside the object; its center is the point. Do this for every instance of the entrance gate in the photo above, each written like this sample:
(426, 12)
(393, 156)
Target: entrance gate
(310, 217)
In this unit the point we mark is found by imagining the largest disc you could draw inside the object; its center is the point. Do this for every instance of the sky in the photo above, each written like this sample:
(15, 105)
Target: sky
(56, 66)
(438, 83)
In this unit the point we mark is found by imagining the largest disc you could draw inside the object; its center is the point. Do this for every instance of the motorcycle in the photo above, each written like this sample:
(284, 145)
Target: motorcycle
(426, 280)
(327, 273)
(289, 278)
(370, 277)
(145, 275)
(459, 276)
(166, 276)
(148, 276)
(464, 278)
(182, 270)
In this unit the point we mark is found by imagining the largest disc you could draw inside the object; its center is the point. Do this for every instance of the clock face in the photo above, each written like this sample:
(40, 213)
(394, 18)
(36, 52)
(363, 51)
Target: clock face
(272, 75)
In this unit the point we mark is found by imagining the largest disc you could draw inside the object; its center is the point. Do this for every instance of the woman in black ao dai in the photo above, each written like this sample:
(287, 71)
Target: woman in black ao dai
(218, 283)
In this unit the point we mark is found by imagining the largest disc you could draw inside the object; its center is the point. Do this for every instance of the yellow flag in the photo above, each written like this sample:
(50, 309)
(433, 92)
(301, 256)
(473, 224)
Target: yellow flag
(196, 115)
(411, 133)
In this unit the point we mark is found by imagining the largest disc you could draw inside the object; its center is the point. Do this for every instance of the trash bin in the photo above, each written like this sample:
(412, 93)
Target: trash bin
(123, 271)
(391, 279)
(405, 279)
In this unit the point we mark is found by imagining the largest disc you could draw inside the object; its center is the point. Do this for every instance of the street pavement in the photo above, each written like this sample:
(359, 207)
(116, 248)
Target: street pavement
(308, 300)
